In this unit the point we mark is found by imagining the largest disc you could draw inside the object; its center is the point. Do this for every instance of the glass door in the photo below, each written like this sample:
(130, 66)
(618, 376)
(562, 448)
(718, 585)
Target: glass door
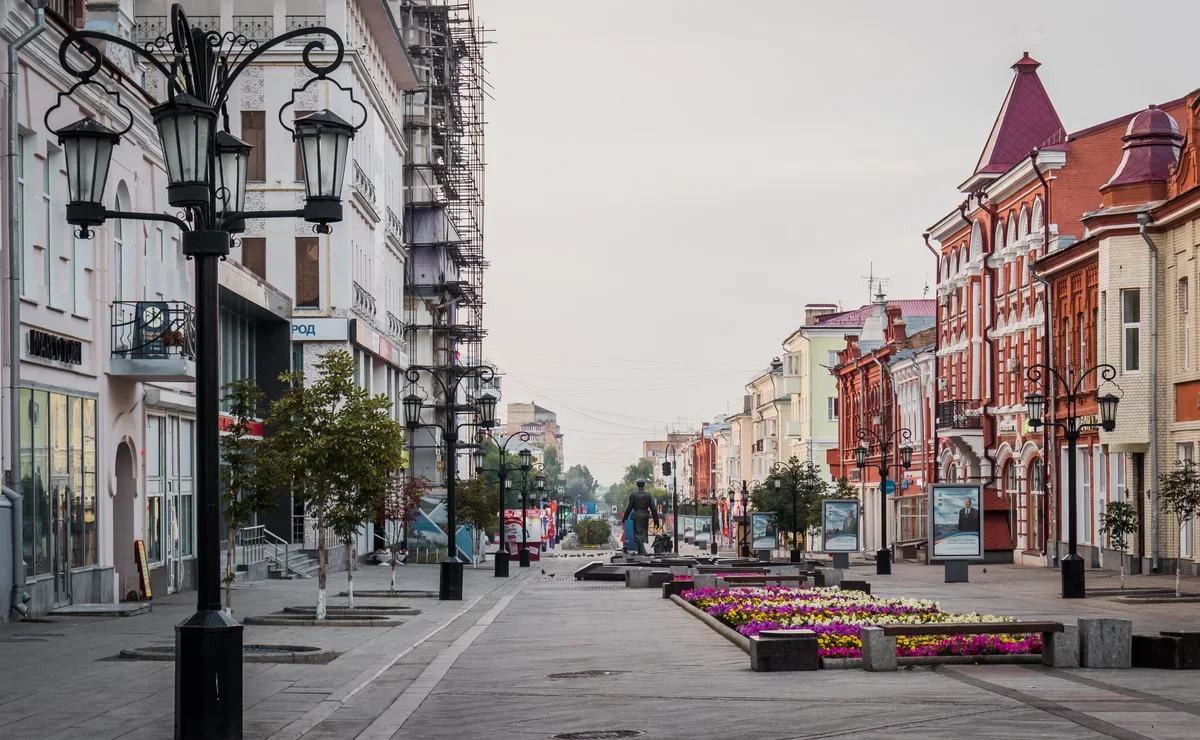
(60, 501)
(171, 499)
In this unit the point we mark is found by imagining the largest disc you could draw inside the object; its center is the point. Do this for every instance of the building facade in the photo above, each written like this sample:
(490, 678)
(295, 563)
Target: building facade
(810, 352)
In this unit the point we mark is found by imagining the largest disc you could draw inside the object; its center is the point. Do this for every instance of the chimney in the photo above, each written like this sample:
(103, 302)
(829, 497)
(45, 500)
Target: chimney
(814, 310)
(897, 330)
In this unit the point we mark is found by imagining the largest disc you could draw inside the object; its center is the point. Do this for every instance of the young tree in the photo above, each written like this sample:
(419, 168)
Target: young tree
(475, 507)
(810, 489)
(1119, 520)
(1179, 494)
(251, 473)
(341, 448)
(400, 509)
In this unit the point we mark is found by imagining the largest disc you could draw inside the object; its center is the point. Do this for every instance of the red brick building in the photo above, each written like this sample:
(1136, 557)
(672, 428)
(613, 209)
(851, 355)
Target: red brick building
(1025, 198)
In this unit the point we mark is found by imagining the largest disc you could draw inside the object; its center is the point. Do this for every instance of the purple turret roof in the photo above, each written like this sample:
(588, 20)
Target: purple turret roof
(1027, 120)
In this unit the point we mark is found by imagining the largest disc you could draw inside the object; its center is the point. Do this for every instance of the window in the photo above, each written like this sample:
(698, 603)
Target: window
(1186, 452)
(832, 358)
(1118, 475)
(156, 440)
(1185, 331)
(254, 255)
(1131, 317)
(1102, 329)
(308, 272)
(48, 213)
(254, 134)
(187, 506)
(299, 159)
(1085, 495)
(1012, 493)
(20, 199)
(831, 408)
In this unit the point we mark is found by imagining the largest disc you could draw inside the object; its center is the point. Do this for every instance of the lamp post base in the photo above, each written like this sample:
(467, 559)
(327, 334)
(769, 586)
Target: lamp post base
(712, 548)
(883, 562)
(524, 557)
(745, 551)
(450, 580)
(208, 677)
(1072, 578)
(502, 563)
(797, 556)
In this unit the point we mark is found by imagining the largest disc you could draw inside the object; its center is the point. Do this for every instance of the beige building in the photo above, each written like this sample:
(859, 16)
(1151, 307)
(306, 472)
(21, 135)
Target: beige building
(770, 408)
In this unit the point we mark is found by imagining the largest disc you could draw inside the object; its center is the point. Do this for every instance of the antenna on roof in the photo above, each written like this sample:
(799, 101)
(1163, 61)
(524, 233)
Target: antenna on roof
(872, 282)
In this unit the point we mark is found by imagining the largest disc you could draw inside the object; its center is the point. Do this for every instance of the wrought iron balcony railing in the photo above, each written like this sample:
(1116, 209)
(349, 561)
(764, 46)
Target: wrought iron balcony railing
(363, 184)
(363, 301)
(147, 330)
(395, 225)
(395, 325)
(963, 414)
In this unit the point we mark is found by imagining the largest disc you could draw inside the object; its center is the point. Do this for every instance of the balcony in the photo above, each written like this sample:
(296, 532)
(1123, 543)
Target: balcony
(364, 302)
(254, 27)
(394, 227)
(964, 414)
(794, 429)
(153, 340)
(364, 191)
(790, 385)
(395, 325)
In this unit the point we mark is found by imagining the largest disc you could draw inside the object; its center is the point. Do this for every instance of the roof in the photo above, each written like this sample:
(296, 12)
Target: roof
(1027, 119)
(910, 309)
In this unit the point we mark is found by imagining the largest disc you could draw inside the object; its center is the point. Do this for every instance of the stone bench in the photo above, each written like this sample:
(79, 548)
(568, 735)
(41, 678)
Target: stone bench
(784, 650)
(676, 588)
(855, 586)
(1177, 651)
(1105, 643)
(1060, 643)
(827, 577)
(646, 578)
(772, 579)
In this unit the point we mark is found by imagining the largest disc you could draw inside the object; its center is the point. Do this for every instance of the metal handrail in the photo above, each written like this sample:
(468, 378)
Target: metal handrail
(275, 541)
(250, 539)
(153, 329)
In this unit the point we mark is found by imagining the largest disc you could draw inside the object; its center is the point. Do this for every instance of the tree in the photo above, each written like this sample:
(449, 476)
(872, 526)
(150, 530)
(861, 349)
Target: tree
(400, 508)
(341, 448)
(252, 474)
(618, 493)
(580, 482)
(553, 468)
(845, 489)
(811, 488)
(475, 507)
(1119, 520)
(1179, 494)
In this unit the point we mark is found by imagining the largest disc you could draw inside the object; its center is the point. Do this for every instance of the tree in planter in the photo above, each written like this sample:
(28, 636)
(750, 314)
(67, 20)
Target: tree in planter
(340, 448)
(475, 507)
(1179, 494)
(1119, 520)
(400, 509)
(252, 474)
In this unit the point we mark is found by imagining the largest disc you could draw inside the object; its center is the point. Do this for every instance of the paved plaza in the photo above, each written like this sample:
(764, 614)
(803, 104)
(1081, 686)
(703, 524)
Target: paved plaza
(485, 668)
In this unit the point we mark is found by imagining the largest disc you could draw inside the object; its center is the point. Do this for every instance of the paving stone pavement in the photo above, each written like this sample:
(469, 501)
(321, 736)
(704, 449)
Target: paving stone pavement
(481, 669)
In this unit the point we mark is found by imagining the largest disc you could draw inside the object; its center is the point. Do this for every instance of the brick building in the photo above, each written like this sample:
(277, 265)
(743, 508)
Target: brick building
(867, 397)
(1025, 199)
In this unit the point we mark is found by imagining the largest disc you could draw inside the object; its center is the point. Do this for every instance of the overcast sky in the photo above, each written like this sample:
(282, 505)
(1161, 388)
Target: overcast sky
(670, 181)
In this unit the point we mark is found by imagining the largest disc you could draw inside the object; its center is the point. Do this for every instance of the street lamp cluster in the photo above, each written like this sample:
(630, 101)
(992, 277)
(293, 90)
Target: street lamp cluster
(503, 468)
(206, 179)
(796, 473)
(883, 558)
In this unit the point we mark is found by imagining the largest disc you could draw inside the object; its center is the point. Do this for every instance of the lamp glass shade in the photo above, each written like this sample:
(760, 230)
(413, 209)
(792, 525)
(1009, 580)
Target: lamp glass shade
(860, 456)
(1108, 411)
(778, 484)
(233, 157)
(412, 411)
(185, 130)
(541, 482)
(906, 456)
(1036, 405)
(508, 483)
(478, 455)
(487, 409)
(324, 139)
(526, 458)
(88, 146)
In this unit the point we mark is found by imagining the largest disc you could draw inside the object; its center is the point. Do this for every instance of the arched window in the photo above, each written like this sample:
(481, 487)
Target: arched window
(998, 245)
(122, 247)
(945, 266)
(952, 474)
(957, 263)
(1023, 225)
(976, 241)
(1036, 483)
(1012, 230)
(1012, 492)
(965, 256)
(1036, 226)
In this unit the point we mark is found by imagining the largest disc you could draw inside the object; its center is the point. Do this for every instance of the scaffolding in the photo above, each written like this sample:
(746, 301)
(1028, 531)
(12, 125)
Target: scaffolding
(444, 179)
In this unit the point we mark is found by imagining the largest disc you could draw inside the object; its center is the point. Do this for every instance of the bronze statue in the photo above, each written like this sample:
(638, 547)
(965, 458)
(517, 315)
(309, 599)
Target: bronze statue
(641, 506)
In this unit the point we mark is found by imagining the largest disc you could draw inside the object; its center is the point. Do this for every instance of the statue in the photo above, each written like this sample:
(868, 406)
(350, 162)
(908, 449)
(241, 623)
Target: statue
(641, 506)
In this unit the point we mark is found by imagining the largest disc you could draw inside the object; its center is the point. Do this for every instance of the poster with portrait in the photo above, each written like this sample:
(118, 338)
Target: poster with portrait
(687, 527)
(839, 525)
(703, 530)
(762, 531)
(956, 522)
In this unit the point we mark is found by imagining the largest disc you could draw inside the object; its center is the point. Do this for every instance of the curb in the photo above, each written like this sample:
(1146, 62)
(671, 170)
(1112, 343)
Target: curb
(721, 629)
(392, 594)
(279, 620)
(302, 654)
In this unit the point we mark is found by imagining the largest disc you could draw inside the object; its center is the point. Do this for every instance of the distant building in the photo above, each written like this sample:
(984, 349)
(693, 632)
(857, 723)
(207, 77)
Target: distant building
(539, 423)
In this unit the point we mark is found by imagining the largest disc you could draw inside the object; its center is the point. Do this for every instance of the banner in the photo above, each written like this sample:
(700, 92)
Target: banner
(762, 531)
(956, 523)
(839, 525)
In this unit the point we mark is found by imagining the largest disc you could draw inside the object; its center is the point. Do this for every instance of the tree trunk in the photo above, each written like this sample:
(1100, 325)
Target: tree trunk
(1122, 570)
(1178, 569)
(395, 555)
(320, 571)
(350, 572)
(229, 571)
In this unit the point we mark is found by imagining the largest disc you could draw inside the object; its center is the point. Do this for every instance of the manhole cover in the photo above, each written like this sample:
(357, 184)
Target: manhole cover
(23, 639)
(271, 650)
(598, 734)
(588, 674)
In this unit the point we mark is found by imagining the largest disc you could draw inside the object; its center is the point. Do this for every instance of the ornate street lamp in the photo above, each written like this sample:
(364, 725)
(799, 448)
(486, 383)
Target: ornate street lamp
(503, 468)
(200, 68)
(233, 159)
(412, 410)
(487, 410)
(526, 456)
(324, 141)
(796, 472)
(1073, 578)
(883, 557)
(669, 468)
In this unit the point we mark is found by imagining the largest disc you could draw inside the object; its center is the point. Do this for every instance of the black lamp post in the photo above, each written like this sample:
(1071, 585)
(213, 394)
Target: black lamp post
(1073, 581)
(668, 468)
(203, 181)
(795, 471)
(527, 465)
(883, 558)
(503, 468)
(449, 379)
(744, 539)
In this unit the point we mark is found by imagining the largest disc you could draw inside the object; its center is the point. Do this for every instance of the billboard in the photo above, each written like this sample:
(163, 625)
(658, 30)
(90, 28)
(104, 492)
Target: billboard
(762, 531)
(703, 530)
(687, 526)
(839, 525)
(955, 521)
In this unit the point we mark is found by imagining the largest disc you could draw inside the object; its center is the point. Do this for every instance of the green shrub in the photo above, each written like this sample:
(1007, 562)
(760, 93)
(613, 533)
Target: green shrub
(593, 531)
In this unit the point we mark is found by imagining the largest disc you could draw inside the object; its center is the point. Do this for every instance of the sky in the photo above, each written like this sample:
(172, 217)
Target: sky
(669, 182)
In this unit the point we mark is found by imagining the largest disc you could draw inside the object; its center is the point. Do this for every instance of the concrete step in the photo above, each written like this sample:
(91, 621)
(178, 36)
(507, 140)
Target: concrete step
(126, 609)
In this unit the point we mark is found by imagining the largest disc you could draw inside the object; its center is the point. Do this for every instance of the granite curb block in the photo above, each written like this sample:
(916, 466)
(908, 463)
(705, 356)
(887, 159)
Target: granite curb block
(365, 611)
(1061, 649)
(1160, 599)
(1105, 643)
(392, 594)
(332, 620)
(720, 627)
(303, 654)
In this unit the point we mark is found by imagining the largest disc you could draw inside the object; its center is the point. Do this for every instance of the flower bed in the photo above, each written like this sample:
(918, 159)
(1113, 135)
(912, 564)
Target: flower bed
(837, 616)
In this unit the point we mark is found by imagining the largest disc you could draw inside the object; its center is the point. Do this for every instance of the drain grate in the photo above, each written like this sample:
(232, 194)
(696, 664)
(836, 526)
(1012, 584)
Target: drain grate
(585, 674)
(598, 734)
